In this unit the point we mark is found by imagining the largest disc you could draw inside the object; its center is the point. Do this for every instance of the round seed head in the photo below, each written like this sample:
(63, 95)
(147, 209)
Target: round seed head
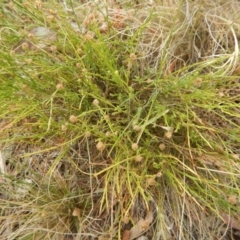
(106, 117)
(149, 80)
(159, 174)
(198, 82)
(38, 3)
(108, 134)
(138, 158)
(162, 146)
(221, 94)
(53, 48)
(89, 35)
(78, 65)
(30, 35)
(132, 56)
(100, 146)
(59, 86)
(25, 46)
(95, 102)
(168, 134)
(232, 199)
(73, 119)
(79, 51)
(136, 128)
(134, 146)
(10, 5)
(151, 182)
(52, 11)
(64, 128)
(87, 134)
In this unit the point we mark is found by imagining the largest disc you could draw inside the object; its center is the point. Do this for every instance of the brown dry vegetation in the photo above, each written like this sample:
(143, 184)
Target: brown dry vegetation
(120, 120)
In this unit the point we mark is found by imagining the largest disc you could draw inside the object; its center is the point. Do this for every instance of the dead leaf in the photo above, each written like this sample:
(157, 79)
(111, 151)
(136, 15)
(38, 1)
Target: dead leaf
(126, 235)
(43, 36)
(76, 212)
(44, 33)
(142, 225)
(171, 68)
(230, 221)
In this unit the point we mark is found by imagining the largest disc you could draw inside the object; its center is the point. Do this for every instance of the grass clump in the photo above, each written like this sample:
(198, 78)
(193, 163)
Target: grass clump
(119, 120)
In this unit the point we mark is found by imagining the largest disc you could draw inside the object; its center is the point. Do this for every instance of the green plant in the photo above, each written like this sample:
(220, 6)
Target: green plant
(118, 115)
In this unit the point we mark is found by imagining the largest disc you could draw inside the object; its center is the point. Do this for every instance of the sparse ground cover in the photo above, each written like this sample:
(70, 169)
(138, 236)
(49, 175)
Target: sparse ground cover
(119, 120)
